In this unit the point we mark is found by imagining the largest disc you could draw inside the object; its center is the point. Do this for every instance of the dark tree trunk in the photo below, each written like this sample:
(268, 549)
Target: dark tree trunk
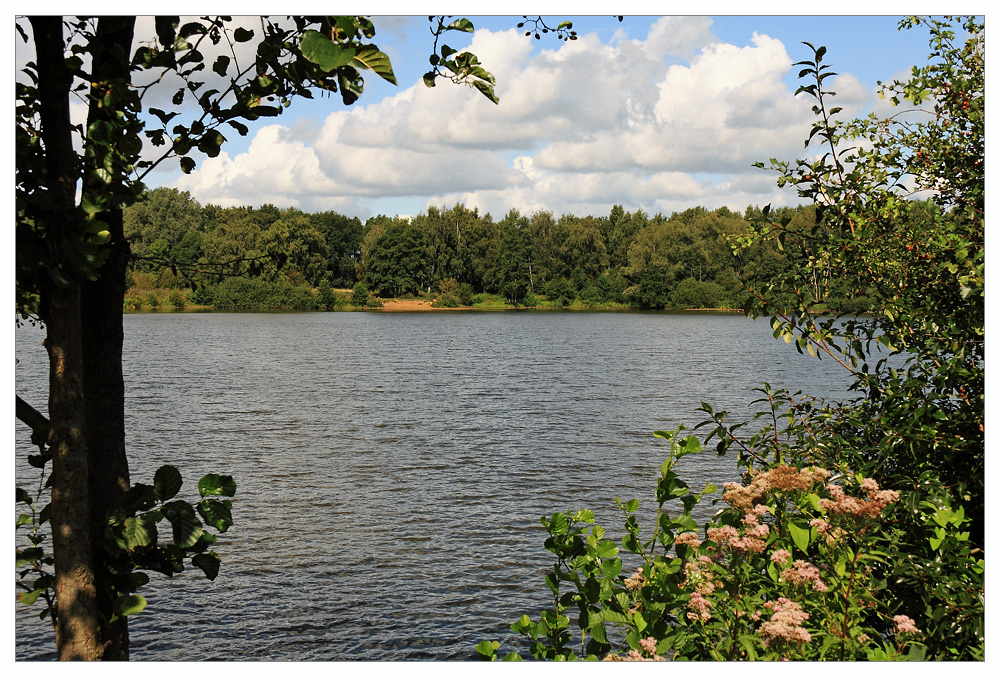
(77, 630)
(104, 385)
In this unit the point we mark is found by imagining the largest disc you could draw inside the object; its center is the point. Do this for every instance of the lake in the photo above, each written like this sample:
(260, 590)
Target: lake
(392, 467)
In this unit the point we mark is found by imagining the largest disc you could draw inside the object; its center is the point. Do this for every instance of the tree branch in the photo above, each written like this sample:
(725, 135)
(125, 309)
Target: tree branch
(30, 416)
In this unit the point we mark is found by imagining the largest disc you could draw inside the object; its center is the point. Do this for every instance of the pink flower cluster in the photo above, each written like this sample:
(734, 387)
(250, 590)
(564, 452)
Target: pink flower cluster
(699, 576)
(785, 623)
(688, 538)
(781, 557)
(842, 504)
(648, 645)
(753, 538)
(804, 573)
(646, 652)
(635, 581)
(779, 478)
(905, 625)
(699, 608)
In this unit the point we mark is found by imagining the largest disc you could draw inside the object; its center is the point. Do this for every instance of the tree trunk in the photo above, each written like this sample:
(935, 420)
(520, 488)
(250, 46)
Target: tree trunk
(77, 630)
(104, 384)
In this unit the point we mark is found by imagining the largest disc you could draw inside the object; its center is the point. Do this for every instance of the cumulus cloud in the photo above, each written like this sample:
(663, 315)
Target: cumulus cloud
(666, 121)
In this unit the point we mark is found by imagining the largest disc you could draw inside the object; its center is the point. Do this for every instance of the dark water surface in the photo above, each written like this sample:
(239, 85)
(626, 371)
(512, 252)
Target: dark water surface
(392, 467)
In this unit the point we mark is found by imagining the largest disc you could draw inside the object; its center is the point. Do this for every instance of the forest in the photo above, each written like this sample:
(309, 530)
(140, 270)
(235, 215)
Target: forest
(185, 254)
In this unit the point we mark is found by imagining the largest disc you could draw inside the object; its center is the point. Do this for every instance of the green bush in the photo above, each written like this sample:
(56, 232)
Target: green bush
(692, 293)
(176, 298)
(250, 293)
(359, 298)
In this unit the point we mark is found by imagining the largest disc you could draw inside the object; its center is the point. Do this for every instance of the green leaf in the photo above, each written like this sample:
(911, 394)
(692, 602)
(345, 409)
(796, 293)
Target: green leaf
(221, 65)
(217, 514)
(166, 483)
(487, 90)
(488, 649)
(369, 56)
(463, 25)
(800, 536)
(209, 563)
(606, 549)
(559, 524)
(130, 605)
(30, 597)
(138, 534)
(186, 525)
(217, 485)
(325, 53)
(243, 35)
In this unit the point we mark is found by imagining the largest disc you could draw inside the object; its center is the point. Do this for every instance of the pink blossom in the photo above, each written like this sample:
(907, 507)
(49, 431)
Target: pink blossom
(781, 556)
(699, 607)
(785, 623)
(649, 645)
(688, 538)
(722, 534)
(905, 625)
(804, 573)
(636, 580)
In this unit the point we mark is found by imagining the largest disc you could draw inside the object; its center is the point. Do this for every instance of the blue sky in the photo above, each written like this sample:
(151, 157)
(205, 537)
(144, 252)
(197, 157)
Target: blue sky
(654, 113)
(657, 113)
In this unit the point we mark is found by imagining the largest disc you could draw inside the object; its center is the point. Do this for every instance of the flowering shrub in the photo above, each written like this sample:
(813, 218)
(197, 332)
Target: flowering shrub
(786, 570)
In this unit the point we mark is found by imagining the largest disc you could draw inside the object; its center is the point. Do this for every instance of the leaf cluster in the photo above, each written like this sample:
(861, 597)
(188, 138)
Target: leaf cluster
(149, 530)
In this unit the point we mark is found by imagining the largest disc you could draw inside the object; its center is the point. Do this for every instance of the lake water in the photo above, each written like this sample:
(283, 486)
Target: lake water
(392, 467)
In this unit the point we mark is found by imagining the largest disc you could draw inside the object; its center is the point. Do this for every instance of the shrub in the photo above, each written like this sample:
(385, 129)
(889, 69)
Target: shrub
(359, 298)
(176, 298)
(692, 293)
(788, 569)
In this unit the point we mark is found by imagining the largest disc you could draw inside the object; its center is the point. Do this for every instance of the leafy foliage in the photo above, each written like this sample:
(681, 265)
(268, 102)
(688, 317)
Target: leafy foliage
(149, 530)
(858, 530)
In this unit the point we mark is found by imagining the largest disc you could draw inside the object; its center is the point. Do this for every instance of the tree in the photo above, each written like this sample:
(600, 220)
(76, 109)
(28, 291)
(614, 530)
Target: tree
(397, 263)
(512, 260)
(156, 226)
(71, 249)
(343, 237)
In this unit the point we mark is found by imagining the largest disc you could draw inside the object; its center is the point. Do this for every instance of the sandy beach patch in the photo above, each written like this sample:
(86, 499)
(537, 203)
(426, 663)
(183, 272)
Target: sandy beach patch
(406, 305)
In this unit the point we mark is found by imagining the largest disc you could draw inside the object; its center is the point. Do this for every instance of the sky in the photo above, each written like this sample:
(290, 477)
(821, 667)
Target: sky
(657, 113)
(652, 113)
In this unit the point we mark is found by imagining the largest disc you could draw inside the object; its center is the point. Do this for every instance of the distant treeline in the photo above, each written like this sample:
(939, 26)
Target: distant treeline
(241, 257)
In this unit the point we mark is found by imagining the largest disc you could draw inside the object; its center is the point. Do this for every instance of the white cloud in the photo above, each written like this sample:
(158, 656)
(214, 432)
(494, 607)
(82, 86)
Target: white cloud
(581, 126)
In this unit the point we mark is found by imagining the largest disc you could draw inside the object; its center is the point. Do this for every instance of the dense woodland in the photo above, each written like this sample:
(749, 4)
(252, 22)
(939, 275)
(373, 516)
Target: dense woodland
(184, 253)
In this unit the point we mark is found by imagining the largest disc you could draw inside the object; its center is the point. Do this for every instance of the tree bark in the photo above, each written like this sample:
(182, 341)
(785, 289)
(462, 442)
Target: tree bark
(77, 629)
(103, 336)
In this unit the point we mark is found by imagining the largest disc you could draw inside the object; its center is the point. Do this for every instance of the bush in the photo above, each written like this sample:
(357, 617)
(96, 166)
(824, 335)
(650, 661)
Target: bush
(692, 293)
(784, 571)
(251, 293)
(202, 296)
(359, 299)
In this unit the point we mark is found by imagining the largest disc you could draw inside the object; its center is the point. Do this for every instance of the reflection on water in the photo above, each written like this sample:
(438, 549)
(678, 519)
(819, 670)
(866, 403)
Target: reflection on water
(392, 468)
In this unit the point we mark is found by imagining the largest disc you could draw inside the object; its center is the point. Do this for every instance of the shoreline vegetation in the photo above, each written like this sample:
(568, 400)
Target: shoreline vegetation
(160, 300)
(166, 300)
